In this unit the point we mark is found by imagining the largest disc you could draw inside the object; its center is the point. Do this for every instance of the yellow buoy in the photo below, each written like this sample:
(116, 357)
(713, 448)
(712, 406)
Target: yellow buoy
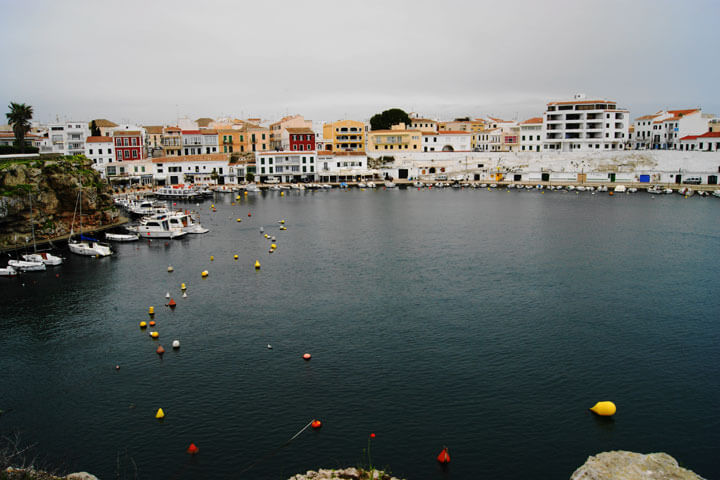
(282, 221)
(237, 197)
(267, 236)
(246, 194)
(170, 268)
(273, 246)
(143, 324)
(212, 258)
(204, 273)
(604, 409)
(212, 206)
(151, 310)
(282, 194)
(235, 257)
(160, 413)
(239, 219)
(182, 286)
(257, 264)
(154, 334)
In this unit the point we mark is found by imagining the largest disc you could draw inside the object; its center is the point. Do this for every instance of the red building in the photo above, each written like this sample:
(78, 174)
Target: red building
(301, 139)
(128, 146)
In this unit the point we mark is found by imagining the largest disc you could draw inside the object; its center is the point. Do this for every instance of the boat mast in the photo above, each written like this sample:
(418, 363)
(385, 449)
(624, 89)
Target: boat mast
(32, 224)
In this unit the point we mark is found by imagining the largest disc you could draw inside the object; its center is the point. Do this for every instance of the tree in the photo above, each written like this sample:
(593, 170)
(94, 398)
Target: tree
(94, 129)
(19, 117)
(250, 177)
(388, 118)
(214, 175)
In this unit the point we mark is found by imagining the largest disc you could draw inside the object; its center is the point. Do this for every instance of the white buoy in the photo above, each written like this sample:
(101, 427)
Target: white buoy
(262, 229)
(184, 294)
(269, 347)
(273, 239)
(167, 295)
(176, 344)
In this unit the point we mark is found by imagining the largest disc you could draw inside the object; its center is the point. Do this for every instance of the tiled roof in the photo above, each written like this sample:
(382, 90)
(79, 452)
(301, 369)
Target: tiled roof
(126, 133)
(300, 130)
(154, 129)
(532, 120)
(204, 121)
(209, 132)
(173, 129)
(102, 122)
(191, 132)
(684, 112)
(710, 135)
(99, 139)
(646, 117)
(207, 157)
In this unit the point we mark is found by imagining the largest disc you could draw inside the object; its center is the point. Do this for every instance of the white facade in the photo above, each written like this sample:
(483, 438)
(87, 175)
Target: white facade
(192, 142)
(707, 142)
(583, 125)
(664, 129)
(66, 138)
(342, 164)
(197, 169)
(447, 142)
(489, 140)
(209, 142)
(531, 132)
(288, 166)
(99, 150)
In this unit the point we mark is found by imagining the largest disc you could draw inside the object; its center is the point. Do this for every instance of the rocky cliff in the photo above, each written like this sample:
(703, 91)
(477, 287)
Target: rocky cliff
(51, 187)
(620, 465)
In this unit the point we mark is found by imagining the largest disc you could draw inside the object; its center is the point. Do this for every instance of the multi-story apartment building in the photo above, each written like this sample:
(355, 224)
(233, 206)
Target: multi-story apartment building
(287, 166)
(192, 142)
(298, 139)
(256, 139)
(229, 140)
(397, 138)
(277, 129)
(447, 141)
(65, 138)
(99, 150)
(209, 141)
(153, 140)
(580, 125)
(172, 142)
(205, 168)
(531, 135)
(128, 145)
(664, 129)
(490, 140)
(344, 136)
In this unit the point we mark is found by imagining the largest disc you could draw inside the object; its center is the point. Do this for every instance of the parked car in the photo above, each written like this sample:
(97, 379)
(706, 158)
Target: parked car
(693, 180)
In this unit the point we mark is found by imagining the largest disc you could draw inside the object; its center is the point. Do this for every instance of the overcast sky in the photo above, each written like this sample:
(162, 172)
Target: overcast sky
(151, 61)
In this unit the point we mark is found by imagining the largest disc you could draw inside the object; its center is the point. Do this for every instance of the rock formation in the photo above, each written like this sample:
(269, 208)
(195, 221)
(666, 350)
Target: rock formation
(52, 187)
(344, 474)
(620, 465)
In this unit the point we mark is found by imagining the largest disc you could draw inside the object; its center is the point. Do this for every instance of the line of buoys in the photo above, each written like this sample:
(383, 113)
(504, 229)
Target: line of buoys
(316, 424)
(176, 344)
(444, 456)
(152, 323)
(160, 414)
(160, 350)
(306, 356)
(192, 449)
(172, 303)
(604, 409)
(257, 264)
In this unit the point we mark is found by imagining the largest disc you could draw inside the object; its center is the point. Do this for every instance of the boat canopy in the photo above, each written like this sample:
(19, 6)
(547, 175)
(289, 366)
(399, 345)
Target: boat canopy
(89, 239)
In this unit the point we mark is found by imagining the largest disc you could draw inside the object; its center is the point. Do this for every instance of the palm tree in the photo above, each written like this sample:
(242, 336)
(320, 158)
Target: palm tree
(19, 117)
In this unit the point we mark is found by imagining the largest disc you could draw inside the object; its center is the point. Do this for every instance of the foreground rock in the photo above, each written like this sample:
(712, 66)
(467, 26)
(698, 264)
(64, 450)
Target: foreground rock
(345, 474)
(620, 465)
(11, 473)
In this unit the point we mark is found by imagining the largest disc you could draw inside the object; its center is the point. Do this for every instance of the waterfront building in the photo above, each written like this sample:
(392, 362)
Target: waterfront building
(128, 145)
(171, 141)
(447, 141)
(255, 139)
(207, 169)
(229, 139)
(342, 166)
(580, 125)
(664, 129)
(425, 125)
(344, 136)
(278, 128)
(298, 139)
(192, 142)
(99, 150)
(288, 166)
(707, 142)
(209, 141)
(65, 138)
(153, 140)
(7, 138)
(104, 125)
(489, 140)
(462, 125)
(137, 172)
(531, 134)
(395, 139)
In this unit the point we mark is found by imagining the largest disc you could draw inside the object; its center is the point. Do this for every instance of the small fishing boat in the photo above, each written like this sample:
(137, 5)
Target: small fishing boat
(44, 257)
(25, 266)
(362, 185)
(371, 184)
(8, 271)
(389, 184)
(122, 237)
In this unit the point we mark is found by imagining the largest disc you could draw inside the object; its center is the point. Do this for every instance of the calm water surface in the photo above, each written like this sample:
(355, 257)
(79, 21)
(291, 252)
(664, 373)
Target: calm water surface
(485, 321)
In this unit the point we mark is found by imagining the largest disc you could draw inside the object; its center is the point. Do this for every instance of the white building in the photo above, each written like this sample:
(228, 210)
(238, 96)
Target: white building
(192, 142)
(99, 150)
(209, 141)
(447, 141)
(664, 129)
(707, 142)
(489, 140)
(581, 125)
(206, 169)
(342, 166)
(531, 134)
(65, 138)
(288, 166)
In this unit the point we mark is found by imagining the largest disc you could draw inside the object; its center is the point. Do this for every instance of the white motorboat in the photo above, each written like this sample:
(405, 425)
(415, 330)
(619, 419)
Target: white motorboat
(483, 185)
(686, 191)
(371, 184)
(251, 187)
(297, 186)
(146, 207)
(716, 193)
(668, 191)
(493, 185)
(44, 257)
(274, 187)
(328, 187)
(362, 185)
(179, 192)
(157, 228)
(389, 184)
(620, 189)
(25, 266)
(418, 184)
(122, 237)
(632, 190)
(580, 188)
(8, 271)
(511, 185)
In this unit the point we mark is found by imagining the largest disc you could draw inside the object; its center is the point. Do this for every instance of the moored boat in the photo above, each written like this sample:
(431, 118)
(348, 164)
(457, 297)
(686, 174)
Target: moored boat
(8, 271)
(122, 237)
(44, 257)
(26, 266)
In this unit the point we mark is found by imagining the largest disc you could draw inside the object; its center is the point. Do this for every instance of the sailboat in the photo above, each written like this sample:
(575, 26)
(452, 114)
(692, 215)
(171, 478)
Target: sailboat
(87, 245)
(24, 265)
(43, 257)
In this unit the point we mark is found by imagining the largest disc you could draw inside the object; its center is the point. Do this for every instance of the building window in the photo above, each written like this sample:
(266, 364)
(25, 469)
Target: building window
(134, 154)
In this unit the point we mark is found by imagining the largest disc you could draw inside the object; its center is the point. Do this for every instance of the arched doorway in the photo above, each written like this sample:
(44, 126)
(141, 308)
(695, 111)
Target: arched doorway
(448, 148)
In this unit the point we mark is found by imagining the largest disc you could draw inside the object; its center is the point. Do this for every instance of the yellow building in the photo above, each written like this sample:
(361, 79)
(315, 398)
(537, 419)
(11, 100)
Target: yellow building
(229, 140)
(171, 141)
(477, 125)
(344, 136)
(397, 138)
(425, 125)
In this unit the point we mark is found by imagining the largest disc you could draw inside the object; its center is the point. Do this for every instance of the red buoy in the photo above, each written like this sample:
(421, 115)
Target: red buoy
(307, 356)
(160, 350)
(249, 214)
(372, 435)
(316, 424)
(192, 449)
(172, 303)
(444, 456)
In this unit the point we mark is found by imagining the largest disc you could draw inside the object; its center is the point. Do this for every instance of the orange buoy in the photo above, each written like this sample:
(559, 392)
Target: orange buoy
(249, 214)
(611, 193)
(172, 303)
(152, 323)
(444, 456)
(316, 424)
(192, 449)
(160, 350)
(307, 356)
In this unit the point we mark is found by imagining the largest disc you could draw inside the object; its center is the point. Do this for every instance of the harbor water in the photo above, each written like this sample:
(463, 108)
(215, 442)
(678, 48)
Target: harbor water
(484, 321)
